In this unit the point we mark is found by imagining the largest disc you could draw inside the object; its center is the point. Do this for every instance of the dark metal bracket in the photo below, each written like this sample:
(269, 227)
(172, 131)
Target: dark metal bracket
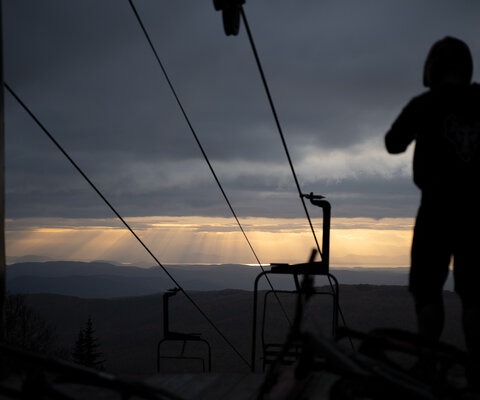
(169, 336)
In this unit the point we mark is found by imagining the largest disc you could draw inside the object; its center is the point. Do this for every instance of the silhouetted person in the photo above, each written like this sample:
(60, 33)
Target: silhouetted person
(444, 122)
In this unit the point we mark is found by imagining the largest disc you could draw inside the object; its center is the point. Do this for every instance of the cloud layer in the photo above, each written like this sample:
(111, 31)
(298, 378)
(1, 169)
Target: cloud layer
(339, 73)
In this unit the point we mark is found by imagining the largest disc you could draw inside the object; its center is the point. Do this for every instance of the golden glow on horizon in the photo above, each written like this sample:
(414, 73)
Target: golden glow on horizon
(354, 241)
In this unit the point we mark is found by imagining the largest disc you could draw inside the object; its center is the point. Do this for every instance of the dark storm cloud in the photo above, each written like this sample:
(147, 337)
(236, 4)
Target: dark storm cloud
(338, 73)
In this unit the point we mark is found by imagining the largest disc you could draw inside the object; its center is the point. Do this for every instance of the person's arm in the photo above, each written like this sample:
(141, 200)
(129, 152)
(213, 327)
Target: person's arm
(402, 132)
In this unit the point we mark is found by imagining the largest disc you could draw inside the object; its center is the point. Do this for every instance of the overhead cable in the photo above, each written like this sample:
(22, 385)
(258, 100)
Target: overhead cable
(192, 130)
(112, 208)
(277, 122)
(282, 136)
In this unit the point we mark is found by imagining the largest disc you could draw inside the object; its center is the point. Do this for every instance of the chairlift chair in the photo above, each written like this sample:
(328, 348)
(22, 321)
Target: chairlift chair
(270, 351)
(184, 338)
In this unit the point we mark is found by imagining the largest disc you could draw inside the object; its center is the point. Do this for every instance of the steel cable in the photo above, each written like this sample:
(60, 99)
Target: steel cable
(112, 208)
(192, 130)
(282, 136)
(277, 122)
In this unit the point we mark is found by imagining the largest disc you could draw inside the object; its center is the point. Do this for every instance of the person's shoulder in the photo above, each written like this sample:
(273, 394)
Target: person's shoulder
(420, 100)
(473, 92)
(475, 87)
(446, 93)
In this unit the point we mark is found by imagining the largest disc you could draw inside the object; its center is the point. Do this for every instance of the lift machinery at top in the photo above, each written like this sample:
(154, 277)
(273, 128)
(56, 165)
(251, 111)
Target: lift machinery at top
(231, 11)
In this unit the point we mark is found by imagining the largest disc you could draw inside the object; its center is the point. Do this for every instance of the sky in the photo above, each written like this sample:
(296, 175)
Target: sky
(339, 72)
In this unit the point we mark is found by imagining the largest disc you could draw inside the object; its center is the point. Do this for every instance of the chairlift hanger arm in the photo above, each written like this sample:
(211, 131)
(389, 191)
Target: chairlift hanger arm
(316, 199)
(311, 196)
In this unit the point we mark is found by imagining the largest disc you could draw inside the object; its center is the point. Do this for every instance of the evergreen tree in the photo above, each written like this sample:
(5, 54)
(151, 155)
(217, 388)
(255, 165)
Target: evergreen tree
(26, 329)
(86, 349)
(78, 353)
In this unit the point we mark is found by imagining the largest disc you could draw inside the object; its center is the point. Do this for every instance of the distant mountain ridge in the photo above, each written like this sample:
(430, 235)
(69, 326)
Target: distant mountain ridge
(105, 280)
(129, 329)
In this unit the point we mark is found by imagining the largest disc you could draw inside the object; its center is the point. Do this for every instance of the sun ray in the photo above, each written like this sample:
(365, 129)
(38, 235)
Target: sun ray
(177, 240)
